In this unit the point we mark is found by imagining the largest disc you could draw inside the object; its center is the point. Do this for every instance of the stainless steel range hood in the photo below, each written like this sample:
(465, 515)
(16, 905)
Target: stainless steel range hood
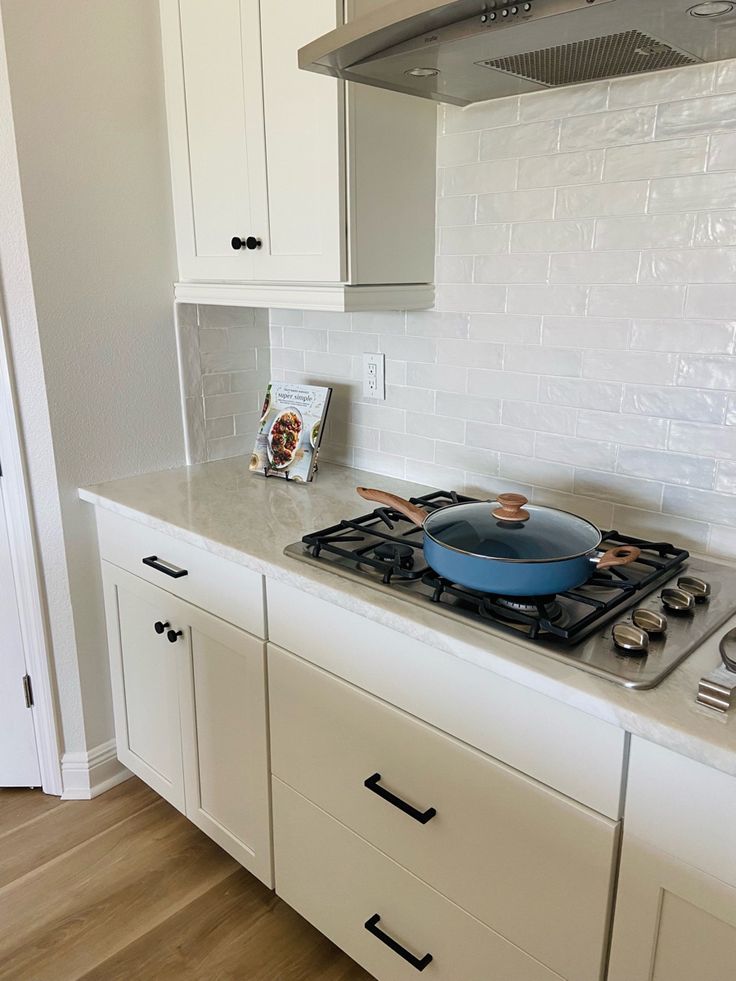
(469, 50)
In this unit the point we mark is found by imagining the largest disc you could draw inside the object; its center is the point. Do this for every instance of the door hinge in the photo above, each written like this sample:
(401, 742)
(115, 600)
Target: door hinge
(27, 690)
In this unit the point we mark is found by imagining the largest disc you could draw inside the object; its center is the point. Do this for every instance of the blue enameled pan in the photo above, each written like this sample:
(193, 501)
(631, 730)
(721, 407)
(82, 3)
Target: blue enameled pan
(509, 547)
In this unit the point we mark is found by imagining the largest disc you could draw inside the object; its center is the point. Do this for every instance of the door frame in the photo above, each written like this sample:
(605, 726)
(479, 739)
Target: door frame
(24, 559)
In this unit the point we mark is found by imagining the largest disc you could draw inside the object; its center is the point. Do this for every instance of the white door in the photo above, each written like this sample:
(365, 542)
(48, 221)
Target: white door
(18, 754)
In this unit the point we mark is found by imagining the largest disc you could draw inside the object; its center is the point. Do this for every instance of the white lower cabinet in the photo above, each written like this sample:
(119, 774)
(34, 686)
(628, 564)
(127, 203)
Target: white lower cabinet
(676, 902)
(527, 862)
(383, 916)
(673, 922)
(190, 713)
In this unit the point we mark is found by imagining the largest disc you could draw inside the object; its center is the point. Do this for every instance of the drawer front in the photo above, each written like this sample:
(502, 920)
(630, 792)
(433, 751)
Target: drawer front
(223, 588)
(528, 862)
(339, 883)
(682, 807)
(581, 756)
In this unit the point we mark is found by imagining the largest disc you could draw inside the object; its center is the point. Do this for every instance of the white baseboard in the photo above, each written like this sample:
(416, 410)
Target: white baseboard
(86, 775)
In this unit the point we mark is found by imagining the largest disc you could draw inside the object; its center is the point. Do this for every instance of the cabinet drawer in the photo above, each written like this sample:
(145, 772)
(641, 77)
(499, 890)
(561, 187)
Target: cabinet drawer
(339, 882)
(528, 862)
(682, 807)
(226, 589)
(559, 745)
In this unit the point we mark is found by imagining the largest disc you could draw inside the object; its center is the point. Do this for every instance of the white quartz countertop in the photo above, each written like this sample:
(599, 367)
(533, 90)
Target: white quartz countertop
(226, 510)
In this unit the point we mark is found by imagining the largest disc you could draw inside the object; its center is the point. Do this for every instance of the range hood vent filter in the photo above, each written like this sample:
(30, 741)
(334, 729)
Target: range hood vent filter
(629, 53)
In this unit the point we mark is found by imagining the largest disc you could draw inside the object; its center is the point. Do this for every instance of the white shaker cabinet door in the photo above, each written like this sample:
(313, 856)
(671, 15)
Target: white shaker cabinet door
(672, 922)
(146, 673)
(302, 208)
(224, 735)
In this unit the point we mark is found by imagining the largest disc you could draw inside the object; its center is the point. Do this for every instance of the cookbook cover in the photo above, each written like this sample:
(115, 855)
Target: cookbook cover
(290, 431)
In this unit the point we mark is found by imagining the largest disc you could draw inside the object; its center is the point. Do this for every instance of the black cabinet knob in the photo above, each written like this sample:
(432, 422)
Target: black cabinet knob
(246, 243)
(173, 635)
(159, 627)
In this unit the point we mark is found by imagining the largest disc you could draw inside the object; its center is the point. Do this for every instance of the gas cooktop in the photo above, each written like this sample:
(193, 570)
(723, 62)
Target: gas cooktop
(632, 625)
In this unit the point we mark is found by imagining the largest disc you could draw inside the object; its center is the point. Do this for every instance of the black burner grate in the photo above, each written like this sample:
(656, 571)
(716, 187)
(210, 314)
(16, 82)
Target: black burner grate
(385, 544)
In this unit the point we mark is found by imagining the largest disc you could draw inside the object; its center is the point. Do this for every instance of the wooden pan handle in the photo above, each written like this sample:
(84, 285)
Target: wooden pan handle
(621, 555)
(409, 510)
(512, 508)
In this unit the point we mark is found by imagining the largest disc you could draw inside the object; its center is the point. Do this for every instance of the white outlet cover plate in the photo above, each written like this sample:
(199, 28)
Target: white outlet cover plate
(374, 376)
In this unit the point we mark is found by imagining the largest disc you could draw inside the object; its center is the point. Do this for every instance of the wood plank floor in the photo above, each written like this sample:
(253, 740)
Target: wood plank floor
(124, 887)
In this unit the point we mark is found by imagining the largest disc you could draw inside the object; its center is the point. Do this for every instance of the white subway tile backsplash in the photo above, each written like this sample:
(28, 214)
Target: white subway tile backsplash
(700, 193)
(630, 366)
(586, 332)
(474, 240)
(597, 454)
(662, 159)
(543, 360)
(502, 269)
(576, 167)
(634, 430)
(696, 336)
(471, 299)
(692, 266)
(527, 140)
(707, 372)
(552, 236)
(580, 393)
(701, 505)
(614, 128)
(668, 86)
(471, 407)
(675, 403)
(671, 468)
(647, 232)
(478, 178)
(514, 205)
(595, 267)
(601, 201)
(696, 437)
(505, 327)
(470, 354)
(636, 301)
(712, 114)
(582, 346)
(539, 473)
(560, 300)
(715, 228)
(559, 104)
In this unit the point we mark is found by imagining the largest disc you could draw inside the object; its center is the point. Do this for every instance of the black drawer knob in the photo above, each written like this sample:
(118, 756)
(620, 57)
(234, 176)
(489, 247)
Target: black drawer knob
(159, 626)
(173, 635)
(246, 243)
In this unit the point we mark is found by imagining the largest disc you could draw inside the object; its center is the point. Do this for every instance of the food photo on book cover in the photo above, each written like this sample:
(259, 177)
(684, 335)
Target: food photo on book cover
(290, 431)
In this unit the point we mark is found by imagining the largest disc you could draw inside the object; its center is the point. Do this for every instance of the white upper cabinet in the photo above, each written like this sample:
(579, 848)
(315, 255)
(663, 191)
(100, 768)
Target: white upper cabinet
(329, 187)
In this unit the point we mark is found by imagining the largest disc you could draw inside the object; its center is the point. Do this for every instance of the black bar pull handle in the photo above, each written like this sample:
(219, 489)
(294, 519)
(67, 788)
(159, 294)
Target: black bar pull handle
(372, 783)
(418, 962)
(166, 567)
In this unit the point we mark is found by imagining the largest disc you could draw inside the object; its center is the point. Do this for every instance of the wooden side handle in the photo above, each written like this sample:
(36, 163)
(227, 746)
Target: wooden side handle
(512, 508)
(621, 555)
(411, 511)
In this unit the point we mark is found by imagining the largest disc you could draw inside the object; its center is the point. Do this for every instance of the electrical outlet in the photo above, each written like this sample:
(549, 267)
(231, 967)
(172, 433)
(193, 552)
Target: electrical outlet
(374, 376)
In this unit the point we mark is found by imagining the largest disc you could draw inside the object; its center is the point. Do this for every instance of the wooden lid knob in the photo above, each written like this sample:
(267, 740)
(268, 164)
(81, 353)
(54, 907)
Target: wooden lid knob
(512, 508)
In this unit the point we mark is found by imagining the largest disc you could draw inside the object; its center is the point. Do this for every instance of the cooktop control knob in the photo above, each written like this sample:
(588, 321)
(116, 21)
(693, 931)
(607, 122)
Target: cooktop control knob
(631, 639)
(678, 600)
(650, 621)
(699, 588)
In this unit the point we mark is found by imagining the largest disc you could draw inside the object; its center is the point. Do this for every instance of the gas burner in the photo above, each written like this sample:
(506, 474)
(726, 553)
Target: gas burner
(541, 607)
(395, 554)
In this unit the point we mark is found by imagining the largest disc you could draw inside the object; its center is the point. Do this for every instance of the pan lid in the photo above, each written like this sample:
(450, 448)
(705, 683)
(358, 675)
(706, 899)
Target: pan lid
(512, 531)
